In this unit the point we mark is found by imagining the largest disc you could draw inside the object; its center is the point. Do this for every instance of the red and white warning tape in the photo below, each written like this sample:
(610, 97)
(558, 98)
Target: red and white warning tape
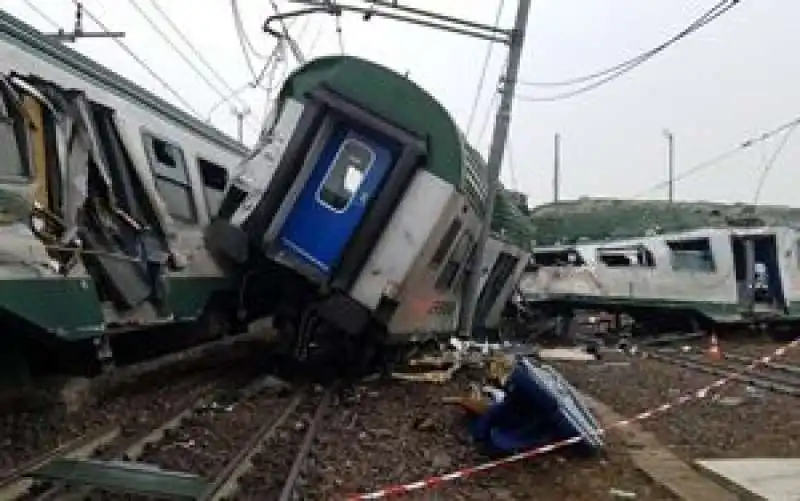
(465, 472)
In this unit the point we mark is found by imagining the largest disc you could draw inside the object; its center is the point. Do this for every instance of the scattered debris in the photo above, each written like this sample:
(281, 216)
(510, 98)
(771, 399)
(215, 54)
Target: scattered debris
(572, 354)
(620, 494)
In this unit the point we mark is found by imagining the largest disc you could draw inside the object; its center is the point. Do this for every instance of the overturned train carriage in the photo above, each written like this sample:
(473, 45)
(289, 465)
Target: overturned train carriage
(360, 209)
(104, 189)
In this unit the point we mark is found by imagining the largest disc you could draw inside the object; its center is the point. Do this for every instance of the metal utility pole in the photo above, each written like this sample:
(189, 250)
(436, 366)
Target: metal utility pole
(671, 160)
(556, 166)
(514, 38)
(78, 30)
(496, 151)
(240, 114)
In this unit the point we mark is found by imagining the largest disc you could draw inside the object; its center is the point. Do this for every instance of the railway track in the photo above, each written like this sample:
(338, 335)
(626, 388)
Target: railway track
(265, 459)
(772, 376)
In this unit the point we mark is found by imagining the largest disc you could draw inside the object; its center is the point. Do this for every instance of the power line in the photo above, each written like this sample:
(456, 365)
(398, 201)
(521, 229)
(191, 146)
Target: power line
(244, 42)
(768, 166)
(621, 69)
(141, 62)
(716, 160)
(175, 48)
(482, 79)
(243, 38)
(41, 14)
(339, 35)
(268, 70)
(625, 63)
(486, 117)
(192, 47)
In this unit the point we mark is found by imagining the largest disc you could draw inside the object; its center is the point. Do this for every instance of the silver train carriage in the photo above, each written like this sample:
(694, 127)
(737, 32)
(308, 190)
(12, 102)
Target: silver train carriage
(703, 278)
(104, 191)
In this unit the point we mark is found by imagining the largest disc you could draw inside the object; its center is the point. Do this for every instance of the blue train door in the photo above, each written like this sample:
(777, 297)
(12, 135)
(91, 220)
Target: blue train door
(345, 177)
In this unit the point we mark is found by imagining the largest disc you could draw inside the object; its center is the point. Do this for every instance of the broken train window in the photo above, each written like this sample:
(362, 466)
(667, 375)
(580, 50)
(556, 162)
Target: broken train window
(215, 178)
(171, 177)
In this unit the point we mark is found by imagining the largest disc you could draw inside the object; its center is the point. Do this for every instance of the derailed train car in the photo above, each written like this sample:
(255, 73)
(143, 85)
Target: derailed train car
(104, 191)
(705, 278)
(355, 222)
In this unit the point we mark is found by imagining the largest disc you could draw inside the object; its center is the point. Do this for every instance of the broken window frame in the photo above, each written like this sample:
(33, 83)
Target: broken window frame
(702, 257)
(177, 176)
(637, 256)
(212, 205)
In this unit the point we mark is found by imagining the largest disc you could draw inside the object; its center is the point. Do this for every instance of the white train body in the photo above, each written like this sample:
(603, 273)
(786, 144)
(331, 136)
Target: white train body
(724, 274)
(89, 131)
(391, 254)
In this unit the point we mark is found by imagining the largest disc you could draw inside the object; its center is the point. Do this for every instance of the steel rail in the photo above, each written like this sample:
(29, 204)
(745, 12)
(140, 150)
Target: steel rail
(766, 382)
(288, 492)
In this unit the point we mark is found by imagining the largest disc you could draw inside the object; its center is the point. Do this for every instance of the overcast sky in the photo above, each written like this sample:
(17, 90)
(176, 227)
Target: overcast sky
(731, 81)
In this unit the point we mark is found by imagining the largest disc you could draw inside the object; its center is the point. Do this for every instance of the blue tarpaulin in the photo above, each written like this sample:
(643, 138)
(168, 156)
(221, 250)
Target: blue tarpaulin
(539, 407)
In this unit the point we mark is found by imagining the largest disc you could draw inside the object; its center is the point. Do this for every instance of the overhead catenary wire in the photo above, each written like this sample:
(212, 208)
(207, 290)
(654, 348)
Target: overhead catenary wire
(140, 61)
(339, 35)
(267, 71)
(625, 67)
(244, 42)
(42, 14)
(717, 159)
(175, 48)
(199, 55)
(166, 38)
(771, 162)
(485, 67)
(646, 54)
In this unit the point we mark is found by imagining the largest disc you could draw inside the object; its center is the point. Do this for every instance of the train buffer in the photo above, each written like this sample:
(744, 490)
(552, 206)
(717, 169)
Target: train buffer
(123, 476)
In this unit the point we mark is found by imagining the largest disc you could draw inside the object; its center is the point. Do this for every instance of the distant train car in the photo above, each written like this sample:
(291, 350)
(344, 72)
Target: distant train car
(709, 276)
(104, 191)
(355, 220)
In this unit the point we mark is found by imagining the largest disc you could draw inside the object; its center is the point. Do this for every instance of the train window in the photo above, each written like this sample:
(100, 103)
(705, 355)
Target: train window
(636, 255)
(692, 255)
(446, 242)
(558, 258)
(468, 263)
(450, 270)
(11, 164)
(346, 174)
(215, 179)
(171, 178)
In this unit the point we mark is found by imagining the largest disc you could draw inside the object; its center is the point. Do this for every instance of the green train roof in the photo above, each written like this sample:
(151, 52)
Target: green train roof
(407, 106)
(597, 219)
